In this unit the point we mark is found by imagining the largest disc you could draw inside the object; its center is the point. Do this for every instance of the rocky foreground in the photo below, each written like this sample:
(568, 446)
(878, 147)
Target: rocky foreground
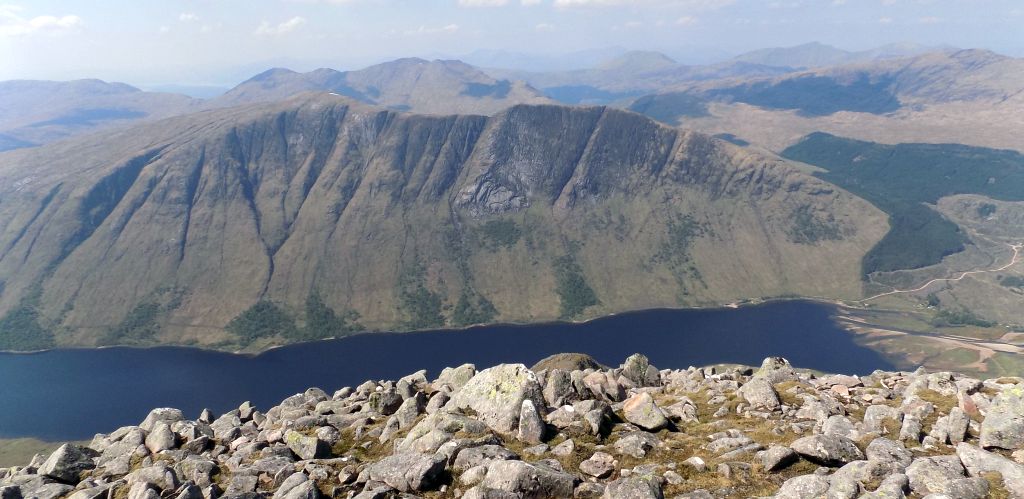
(569, 427)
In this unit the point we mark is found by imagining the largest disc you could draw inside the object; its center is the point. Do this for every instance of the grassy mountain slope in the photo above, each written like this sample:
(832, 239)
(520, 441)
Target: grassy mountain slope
(900, 179)
(170, 232)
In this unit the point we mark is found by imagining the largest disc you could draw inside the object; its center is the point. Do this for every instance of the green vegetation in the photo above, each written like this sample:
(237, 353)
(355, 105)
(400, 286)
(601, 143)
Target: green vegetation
(20, 327)
(899, 179)
(674, 252)
(962, 317)
(265, 319)
(809, 229)
(986, 209)
(473, 309)
(323, 322)
(933, 300)
(140, 326)
(421, 305)
(1012, 281)
(502, 233)
(572, 288)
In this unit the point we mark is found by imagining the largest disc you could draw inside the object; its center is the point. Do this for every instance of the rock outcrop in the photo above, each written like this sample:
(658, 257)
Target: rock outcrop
(690, 433)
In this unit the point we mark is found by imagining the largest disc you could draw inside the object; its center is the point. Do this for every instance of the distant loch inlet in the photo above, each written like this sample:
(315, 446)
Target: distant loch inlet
(75, 393)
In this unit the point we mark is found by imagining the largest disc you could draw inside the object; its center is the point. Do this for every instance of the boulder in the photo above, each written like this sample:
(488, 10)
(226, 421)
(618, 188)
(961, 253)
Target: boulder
(528, 481)
(776, 370)
(930, 475)
(497, 395)
(777, 457)
(633, 488)
(455, 377)
(161, 438)
(408, 472)
(638, 369)
(636, 444)
(68, 462)
(760, 394)
(641, 410)
(827, 450)
(531, 425)
(162, 415)
(566, 362)
(978, 461)
(481, 455)
(1003, 426)
(305, 446)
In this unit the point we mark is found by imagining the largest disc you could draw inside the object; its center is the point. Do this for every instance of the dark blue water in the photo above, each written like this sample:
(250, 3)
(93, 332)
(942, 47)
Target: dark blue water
(75, 393)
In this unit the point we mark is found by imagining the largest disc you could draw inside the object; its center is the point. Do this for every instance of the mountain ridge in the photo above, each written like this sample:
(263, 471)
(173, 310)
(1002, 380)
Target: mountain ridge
(411, 221)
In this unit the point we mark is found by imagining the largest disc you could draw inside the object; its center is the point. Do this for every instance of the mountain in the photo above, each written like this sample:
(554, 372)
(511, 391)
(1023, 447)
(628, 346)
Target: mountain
(559, 431)
(428, 87)
(627, 76)
(816, 55)
(234, 228)
(972, 97)
(35, 112)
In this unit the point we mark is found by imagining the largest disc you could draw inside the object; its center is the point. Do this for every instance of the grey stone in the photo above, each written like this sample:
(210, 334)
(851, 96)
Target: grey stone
(889, 452)
(68, 462)
(1003, 426)
(164, 414)
(305, 446)
(636, 444)
(829, 450)
(638, 369)
(777, 457)
(531, 425)
(979, 461)
(565, 448)
(934, 474)
(481, 455)
(161, 438)
(527, 480)
(760, 394)
(408, 472)
(599, 465)
(497, 394)
(633, 488)
(641, 410)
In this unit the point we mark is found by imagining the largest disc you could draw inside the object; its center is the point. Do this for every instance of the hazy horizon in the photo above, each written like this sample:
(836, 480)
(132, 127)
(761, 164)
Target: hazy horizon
(221, 42)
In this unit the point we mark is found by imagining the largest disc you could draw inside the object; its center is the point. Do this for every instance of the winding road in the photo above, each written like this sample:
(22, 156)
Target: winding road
(1013, 261)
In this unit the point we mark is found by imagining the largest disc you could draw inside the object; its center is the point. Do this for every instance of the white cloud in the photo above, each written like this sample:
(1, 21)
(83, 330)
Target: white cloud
(482, 3)
(884, 20)
(424, 30)
(187, 17)
(267, 29)
(544, 27)
(13, 24)
(929, 20)
(686, 21)
(164, 29)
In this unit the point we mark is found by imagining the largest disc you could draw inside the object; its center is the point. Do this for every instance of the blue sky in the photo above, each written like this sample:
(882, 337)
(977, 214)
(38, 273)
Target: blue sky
(221, 41)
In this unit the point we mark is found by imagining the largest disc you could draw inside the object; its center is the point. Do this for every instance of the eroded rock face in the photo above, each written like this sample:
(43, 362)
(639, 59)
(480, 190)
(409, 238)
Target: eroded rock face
(506, 438)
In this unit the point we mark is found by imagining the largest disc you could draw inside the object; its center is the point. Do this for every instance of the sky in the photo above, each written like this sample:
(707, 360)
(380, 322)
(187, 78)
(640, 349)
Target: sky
(221, 42)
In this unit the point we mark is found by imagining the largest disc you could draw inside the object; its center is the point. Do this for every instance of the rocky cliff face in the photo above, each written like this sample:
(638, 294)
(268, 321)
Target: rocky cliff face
(320, 208)
(556, 431)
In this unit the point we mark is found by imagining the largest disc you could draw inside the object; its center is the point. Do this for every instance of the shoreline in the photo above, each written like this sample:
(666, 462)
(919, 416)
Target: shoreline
(734, 305)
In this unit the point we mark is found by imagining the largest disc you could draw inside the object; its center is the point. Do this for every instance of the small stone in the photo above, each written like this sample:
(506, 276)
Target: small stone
(67, 463)
(599, 465)
(531, 425)
(565, 448)
(827, 450)
(306, 447)
(777, 457)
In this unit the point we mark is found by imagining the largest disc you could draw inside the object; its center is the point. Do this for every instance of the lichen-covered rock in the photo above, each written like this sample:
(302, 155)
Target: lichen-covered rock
(760, 394)
(68, 462)
(496, 395)
(305, 446)
(633, 488)
(1003, 426)
(978, 461)
(930, 475)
